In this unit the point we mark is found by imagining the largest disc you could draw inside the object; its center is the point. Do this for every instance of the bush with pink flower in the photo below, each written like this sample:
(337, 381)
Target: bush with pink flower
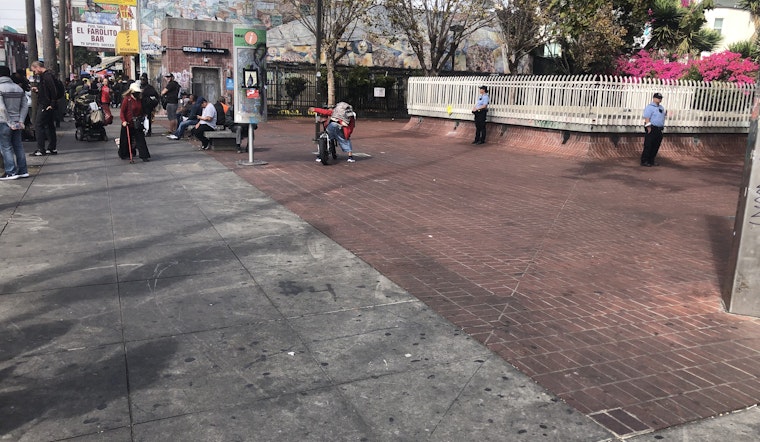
(721, 66)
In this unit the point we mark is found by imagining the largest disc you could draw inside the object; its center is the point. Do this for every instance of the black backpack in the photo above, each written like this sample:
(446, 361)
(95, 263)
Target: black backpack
(60, 90)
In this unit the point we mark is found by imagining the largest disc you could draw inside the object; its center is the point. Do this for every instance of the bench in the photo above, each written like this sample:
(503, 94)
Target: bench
(224, 139)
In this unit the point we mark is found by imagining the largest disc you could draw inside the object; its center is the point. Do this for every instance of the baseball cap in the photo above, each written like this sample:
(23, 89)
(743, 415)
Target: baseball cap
(657, 95)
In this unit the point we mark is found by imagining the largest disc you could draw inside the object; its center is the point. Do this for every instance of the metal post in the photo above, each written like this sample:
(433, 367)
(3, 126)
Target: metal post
(250, 143)
(318, 57)
(742, 291)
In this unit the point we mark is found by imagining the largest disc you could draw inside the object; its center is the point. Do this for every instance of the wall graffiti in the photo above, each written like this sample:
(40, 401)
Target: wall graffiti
(754, 219)
(289, 41)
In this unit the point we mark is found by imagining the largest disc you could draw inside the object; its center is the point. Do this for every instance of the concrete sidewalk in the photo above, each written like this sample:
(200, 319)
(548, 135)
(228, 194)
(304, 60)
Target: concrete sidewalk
(172, 300)
(598, 278)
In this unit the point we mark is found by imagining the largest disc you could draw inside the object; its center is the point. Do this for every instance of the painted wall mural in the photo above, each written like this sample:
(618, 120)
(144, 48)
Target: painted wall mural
(289, 41)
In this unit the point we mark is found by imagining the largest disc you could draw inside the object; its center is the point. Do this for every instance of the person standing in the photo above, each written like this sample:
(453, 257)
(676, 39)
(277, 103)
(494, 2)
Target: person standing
(654, 123)
(19, 77)
(13, 110)
(150, 101)
(206, 122)
(47, 107)
(480, 111)
(105, 94)
(132, 135)
(170, 92)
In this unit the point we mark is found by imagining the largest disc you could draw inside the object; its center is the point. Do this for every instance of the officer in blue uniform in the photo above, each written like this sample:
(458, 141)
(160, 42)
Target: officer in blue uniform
(480, 111)
(654, 123)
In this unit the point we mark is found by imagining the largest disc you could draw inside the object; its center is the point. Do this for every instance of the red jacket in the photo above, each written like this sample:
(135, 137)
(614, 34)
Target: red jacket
(347, 129)
(105, 94)
(130, 108)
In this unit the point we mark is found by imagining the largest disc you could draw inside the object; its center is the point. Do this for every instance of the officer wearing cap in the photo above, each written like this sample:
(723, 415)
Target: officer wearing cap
(480, 111)
(654, 123)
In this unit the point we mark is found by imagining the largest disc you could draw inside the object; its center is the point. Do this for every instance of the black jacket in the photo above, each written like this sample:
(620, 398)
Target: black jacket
(46, 91)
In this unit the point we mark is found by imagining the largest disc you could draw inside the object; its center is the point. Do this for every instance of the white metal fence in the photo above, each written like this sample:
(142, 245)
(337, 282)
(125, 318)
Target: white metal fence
(589, 103)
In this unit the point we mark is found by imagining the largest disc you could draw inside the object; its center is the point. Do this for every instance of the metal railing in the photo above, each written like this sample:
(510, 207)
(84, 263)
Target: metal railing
(279, 104)
(588, 103)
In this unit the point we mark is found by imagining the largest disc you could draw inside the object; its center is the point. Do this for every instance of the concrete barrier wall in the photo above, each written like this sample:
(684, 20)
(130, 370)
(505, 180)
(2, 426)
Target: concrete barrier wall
(595, 145)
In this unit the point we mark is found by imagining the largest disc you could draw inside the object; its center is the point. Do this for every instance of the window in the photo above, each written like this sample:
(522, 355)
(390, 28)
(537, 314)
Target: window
(718, 25)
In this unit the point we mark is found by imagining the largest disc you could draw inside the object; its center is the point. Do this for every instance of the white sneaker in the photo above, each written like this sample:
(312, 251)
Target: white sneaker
(350, 160)
(318, 160)
(8, 177)
(172, 137)
(23, 175)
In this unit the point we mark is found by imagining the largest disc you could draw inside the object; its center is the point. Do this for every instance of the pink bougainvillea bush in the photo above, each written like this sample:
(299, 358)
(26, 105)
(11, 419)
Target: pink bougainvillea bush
(722, 66)
(727, 66)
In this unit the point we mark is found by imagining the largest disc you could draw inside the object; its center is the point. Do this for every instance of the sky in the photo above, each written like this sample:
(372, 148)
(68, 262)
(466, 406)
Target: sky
(13, 14)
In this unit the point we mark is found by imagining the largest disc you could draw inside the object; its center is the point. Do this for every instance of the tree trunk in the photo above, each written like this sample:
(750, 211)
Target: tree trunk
(48, 35)
(63, 21)
(31, 31)
(330, 65)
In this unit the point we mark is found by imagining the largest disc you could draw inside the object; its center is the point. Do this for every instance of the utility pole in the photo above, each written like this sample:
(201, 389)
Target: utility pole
(63, 47)
(48, 35)
(31, 31)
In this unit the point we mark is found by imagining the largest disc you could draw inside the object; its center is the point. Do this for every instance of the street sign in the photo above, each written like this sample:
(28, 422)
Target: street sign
(127, 43)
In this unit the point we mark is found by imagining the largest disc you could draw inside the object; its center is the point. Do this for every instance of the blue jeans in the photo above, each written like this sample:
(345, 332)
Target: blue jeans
(183, 126)
(335, 131)
(12, 150)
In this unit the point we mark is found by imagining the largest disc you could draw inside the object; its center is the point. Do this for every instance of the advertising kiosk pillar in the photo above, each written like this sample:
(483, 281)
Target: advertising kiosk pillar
(249, 92)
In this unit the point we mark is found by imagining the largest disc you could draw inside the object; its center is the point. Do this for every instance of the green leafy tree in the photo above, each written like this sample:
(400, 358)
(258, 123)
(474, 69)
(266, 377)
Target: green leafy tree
(82, 57)
(589, 33)
(293, 87)
(747, 49)
(753, 6)
(358, 82)
(681, 29)
(435, 28)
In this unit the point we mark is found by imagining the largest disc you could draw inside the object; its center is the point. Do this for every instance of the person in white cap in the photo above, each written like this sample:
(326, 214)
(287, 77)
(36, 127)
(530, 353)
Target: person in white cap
(132, 120)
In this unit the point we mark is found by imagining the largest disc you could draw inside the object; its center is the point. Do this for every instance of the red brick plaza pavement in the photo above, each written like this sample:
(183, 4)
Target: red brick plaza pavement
(598, 278)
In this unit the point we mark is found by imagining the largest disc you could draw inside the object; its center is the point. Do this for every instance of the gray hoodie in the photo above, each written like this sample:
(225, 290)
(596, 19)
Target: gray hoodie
(15, 101)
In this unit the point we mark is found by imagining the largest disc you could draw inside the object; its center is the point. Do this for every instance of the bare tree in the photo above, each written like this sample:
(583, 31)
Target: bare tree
(435, 28)
(522, 23)
(339, 20)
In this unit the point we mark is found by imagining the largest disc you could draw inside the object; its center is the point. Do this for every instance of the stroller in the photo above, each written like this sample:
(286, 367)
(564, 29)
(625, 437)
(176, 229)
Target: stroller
(90, 119)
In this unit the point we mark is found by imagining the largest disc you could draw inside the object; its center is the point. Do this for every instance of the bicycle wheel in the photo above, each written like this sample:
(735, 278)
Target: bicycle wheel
(332, 149)
(323, 150)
